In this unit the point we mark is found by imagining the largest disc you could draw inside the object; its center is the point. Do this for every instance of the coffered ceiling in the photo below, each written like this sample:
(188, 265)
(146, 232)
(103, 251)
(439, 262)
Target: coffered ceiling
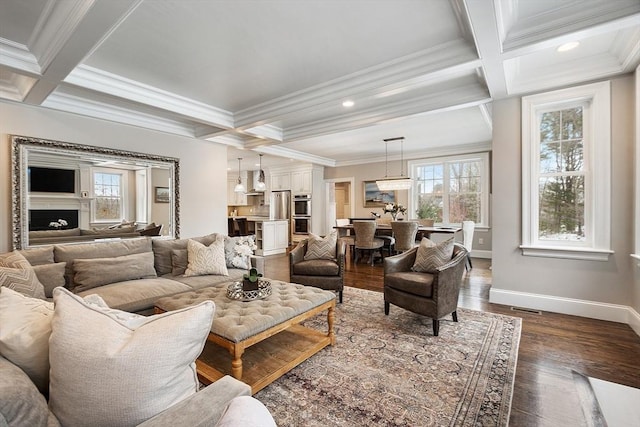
(270, 76)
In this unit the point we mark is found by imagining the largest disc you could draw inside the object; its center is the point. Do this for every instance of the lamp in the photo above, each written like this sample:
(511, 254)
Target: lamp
(389, 183)
(261, 184)
(239, 188)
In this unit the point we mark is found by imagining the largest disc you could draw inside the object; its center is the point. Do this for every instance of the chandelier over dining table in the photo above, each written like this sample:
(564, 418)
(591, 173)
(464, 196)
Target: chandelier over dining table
(391, 183)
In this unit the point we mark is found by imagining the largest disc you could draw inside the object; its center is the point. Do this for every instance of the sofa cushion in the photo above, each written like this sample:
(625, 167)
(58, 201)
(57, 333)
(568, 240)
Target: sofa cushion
(25, 327)
(16, 273)
(136, 295)
(38, 256)
(238, 251)
(114, 370)
(206, 259)
(317, 267)
(21, 404)
(411, 282)
(69, 253)
(246, 411)
(162, 250)
(197, 282)
(51, 276)
(431, 256)
(321, 247)
(107, 231)
(91, 273)
(54, 233)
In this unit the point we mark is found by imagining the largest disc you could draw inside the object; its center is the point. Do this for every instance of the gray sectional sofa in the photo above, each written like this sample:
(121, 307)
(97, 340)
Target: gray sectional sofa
(129, 274)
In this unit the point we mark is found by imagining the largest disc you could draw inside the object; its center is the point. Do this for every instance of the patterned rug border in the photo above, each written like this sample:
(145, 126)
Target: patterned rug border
(478, 392)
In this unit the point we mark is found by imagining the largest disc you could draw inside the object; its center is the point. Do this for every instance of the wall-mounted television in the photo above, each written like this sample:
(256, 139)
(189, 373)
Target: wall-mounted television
(51, 180)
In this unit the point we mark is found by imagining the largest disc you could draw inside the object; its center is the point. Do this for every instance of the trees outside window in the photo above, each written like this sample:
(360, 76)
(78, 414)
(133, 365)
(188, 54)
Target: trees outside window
(451, 190)
(108, 197)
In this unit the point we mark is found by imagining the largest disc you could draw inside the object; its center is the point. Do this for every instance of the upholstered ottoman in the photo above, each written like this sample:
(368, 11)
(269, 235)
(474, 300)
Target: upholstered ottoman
(270, 326)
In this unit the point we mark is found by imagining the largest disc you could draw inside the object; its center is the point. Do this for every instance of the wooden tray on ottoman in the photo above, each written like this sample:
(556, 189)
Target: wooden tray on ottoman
(263, 338)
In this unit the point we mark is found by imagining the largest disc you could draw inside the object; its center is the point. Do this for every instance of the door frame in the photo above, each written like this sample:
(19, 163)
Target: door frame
(330, 223)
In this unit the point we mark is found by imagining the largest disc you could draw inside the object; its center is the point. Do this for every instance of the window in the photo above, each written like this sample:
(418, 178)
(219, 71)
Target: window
(108, 189)
(452, 189)
(566, 168)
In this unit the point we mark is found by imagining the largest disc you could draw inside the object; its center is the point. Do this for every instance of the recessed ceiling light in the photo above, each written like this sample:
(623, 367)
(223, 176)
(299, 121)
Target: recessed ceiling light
(568, 46)
(348, 103)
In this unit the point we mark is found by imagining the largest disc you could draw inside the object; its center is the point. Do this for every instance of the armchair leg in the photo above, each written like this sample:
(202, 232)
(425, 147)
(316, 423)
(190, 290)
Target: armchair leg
(436, 327)
(340, 297)
(386, 308)
(455, 316)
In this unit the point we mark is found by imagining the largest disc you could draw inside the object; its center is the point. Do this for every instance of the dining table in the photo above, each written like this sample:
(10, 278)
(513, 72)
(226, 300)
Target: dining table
(425, 231)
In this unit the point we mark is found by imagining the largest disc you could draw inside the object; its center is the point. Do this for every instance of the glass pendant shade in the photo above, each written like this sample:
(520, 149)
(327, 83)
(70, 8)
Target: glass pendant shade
(261, 184)
(392, 183)
(239, 188)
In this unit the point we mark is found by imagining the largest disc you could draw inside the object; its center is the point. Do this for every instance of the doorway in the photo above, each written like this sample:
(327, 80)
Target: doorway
(340, 200)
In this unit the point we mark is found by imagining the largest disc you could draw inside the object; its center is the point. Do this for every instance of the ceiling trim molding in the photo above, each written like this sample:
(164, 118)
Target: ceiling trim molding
(229, 139)
(18, 57)
(571, 19)
(486, 115)
(265, 131)
(55, 27)
(276, 150)
(100, 110)
(102, 81)
(367, 81)
(627, 48)
(462, 96)
(478, 147)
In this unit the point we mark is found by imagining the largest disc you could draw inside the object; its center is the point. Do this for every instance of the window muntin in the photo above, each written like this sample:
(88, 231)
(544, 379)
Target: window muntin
(452, 189)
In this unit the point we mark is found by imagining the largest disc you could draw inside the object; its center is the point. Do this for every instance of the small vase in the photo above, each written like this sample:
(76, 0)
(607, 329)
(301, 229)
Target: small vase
(394, 215)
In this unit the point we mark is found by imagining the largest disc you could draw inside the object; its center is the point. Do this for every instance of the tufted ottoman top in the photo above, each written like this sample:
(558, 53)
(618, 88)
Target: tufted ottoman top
(238, 320)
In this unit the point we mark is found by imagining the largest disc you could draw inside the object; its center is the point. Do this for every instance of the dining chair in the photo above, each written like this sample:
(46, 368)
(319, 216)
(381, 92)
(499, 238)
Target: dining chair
(365, 240)
(343, 234)
(405, 234)
(468, 228)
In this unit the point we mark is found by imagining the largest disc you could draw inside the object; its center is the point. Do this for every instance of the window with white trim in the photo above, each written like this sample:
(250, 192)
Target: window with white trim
(451, 189)
(566, 173)
(108, 194)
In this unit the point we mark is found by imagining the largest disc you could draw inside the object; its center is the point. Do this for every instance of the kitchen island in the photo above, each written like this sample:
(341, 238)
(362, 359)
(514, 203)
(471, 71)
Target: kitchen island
(272, 235)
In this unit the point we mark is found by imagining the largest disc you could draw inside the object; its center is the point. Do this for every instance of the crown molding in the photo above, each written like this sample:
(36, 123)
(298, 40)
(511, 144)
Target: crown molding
(16, 87)
(100, 110)
(18, 57)
(365, 82)
(121, 87)
(265, 131)
(276, 150)
(228, 139)
(626, 47)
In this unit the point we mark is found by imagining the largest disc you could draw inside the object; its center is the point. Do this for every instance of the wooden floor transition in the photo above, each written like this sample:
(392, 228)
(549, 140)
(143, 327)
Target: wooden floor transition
(551, 347)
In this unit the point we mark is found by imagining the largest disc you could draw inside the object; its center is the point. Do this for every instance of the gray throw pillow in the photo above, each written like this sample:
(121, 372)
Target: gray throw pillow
(179, 261)
(51, 276)
(321, 247)
(90, 273)
(431, 256)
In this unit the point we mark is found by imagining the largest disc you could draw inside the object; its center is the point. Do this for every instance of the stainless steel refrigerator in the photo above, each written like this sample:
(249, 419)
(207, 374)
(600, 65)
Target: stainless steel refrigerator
(280, 207)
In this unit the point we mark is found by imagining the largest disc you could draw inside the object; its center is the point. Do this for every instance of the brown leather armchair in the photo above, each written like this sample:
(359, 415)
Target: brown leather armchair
(433, 295)
(322, 273)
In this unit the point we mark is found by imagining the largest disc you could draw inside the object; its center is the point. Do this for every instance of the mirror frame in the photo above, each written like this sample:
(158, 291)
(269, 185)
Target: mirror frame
(20, 146)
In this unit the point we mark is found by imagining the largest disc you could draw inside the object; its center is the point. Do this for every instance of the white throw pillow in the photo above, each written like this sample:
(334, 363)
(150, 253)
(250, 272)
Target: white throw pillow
(25, 327)
(206, 259)
(114, 368)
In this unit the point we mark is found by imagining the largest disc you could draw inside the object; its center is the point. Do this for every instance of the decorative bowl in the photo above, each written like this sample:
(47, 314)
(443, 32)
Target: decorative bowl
(235, 291)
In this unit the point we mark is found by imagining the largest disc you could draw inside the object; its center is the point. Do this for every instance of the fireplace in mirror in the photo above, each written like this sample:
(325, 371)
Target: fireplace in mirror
(44, 219)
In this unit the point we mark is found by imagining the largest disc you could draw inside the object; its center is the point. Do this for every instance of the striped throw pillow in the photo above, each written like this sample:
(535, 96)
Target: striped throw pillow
(16, 273)
(431, 256)
(321, 247)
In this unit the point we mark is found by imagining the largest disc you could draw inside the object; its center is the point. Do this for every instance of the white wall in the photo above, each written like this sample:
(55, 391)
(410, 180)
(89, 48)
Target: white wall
(560, 282)
(203, 165)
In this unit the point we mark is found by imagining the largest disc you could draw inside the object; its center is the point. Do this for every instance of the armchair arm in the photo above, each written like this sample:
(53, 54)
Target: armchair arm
(447, 280)
(340, 256)
(297, 254)
(400, 262)
(203, 408)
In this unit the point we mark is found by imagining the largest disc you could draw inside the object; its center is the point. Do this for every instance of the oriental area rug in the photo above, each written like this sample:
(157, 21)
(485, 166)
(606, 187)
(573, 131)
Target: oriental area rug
(392, 371)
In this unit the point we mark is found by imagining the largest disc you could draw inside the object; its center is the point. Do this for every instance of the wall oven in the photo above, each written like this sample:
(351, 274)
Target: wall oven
(301, 224)
(302, 205)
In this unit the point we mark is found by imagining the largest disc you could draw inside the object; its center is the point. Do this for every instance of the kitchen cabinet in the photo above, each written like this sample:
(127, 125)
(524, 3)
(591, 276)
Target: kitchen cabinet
(280, 181)
(301, 182)
(272, 237)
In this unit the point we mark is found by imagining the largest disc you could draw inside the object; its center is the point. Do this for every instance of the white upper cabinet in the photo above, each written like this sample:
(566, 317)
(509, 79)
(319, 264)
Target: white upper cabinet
(302, 182)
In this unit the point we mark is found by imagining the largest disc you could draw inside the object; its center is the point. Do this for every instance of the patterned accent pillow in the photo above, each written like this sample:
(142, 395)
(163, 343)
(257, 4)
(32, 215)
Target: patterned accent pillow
(16, 273)
(238, 251)
(206, 259)
(431, 256)
(321, 247)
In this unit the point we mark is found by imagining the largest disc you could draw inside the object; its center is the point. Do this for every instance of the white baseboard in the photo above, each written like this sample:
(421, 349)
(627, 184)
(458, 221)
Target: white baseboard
(575, 307)
(480, 254)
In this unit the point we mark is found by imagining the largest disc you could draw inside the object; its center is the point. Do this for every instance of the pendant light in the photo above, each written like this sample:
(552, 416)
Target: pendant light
(394, 183)
(261, 186)
(239, 188)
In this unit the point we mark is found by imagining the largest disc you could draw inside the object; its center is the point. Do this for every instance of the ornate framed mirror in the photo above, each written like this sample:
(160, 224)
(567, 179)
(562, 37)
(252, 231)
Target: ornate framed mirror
(68, 193)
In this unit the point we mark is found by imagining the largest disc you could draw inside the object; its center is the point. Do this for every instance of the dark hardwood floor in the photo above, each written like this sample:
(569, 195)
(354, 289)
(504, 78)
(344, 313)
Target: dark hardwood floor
(551, 347)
